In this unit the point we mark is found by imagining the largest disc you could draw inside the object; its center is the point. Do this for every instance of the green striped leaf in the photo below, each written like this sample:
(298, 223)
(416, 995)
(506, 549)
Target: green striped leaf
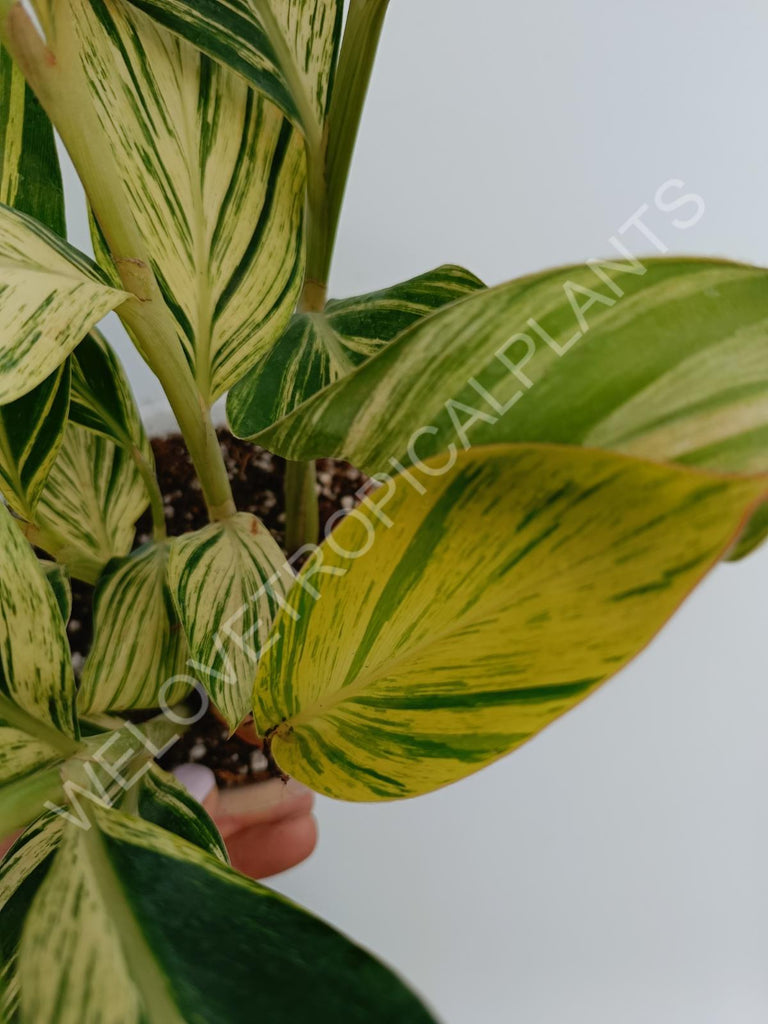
(321, 348)
(284, 48)
(434, 632)
(30, 176)
(676, 369)
(214, 175)
(37, 687)
(58, 581)
(36, 680)
(109, 939)
(166, 803)
(227, 581)
(31, 433)
(30, 181)
(22, 872)
(102, 399)
(51, 296)
(133, 603)
(90, 504)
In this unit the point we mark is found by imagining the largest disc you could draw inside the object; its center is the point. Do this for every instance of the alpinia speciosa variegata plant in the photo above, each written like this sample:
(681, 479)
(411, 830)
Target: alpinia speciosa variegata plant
(561, 459)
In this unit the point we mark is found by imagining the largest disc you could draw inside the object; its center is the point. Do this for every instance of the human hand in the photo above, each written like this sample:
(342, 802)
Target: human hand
(268, 827)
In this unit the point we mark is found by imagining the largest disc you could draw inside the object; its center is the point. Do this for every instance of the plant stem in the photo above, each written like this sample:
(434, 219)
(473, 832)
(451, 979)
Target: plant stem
(362, 32)
(159, 531)
(302, 517)
(56, 78)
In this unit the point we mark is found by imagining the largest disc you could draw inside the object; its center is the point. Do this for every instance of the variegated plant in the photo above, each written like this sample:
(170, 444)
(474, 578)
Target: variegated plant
(532, 522)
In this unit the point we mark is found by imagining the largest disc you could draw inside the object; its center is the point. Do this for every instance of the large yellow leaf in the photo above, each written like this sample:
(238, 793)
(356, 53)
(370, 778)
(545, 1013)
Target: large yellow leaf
(439, 628)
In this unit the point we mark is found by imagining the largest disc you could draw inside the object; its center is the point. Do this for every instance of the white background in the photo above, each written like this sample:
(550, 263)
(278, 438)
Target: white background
(613, 871)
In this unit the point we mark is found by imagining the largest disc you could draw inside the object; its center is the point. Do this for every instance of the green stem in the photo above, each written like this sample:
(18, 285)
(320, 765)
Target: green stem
(362, 32)
(56, 78)
(149, 477)
(302, 517)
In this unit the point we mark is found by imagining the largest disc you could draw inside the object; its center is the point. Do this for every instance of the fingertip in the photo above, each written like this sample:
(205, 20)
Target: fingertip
(264, 850)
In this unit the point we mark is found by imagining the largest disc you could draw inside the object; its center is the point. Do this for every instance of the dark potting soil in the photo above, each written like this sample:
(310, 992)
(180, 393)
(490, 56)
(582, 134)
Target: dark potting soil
(257, 485)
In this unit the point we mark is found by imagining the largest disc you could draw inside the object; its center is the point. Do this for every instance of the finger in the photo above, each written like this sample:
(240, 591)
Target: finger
(6, 844)
(263, 850)
(264, 803)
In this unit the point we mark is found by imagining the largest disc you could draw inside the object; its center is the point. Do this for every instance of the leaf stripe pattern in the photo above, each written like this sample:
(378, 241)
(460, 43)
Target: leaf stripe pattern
(22, 872)
(452, 626)
(214, 175)
(50, 297)
(90, 504)
(102, 399)
(31, 427)
(108, 937)
(31, 432)
(285, 48)
(166, 803)
(321, 348)
(676, 368)
(30, 177)
(227, 581)
(37, 687)
(133, 601)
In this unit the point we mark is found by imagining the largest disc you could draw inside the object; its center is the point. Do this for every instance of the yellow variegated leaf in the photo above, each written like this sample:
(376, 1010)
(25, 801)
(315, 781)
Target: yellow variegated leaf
(227, 581)
(89, 507)
(213, 173)
(673, 368)
(138, 648)
(133, 925)
(50, 296)
(443, 625)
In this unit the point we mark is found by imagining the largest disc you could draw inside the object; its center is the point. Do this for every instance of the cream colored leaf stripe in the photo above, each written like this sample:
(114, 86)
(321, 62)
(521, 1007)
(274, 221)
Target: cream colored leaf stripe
(227, 581)
(89, 506)
(50, 297)
(285, 48)
(454, 625)
(133, 601)
(214, 175)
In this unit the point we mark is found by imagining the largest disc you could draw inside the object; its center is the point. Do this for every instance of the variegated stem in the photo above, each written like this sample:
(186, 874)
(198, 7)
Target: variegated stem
(362, 32)
(149, 477)
(59, 86)
(302, 516)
